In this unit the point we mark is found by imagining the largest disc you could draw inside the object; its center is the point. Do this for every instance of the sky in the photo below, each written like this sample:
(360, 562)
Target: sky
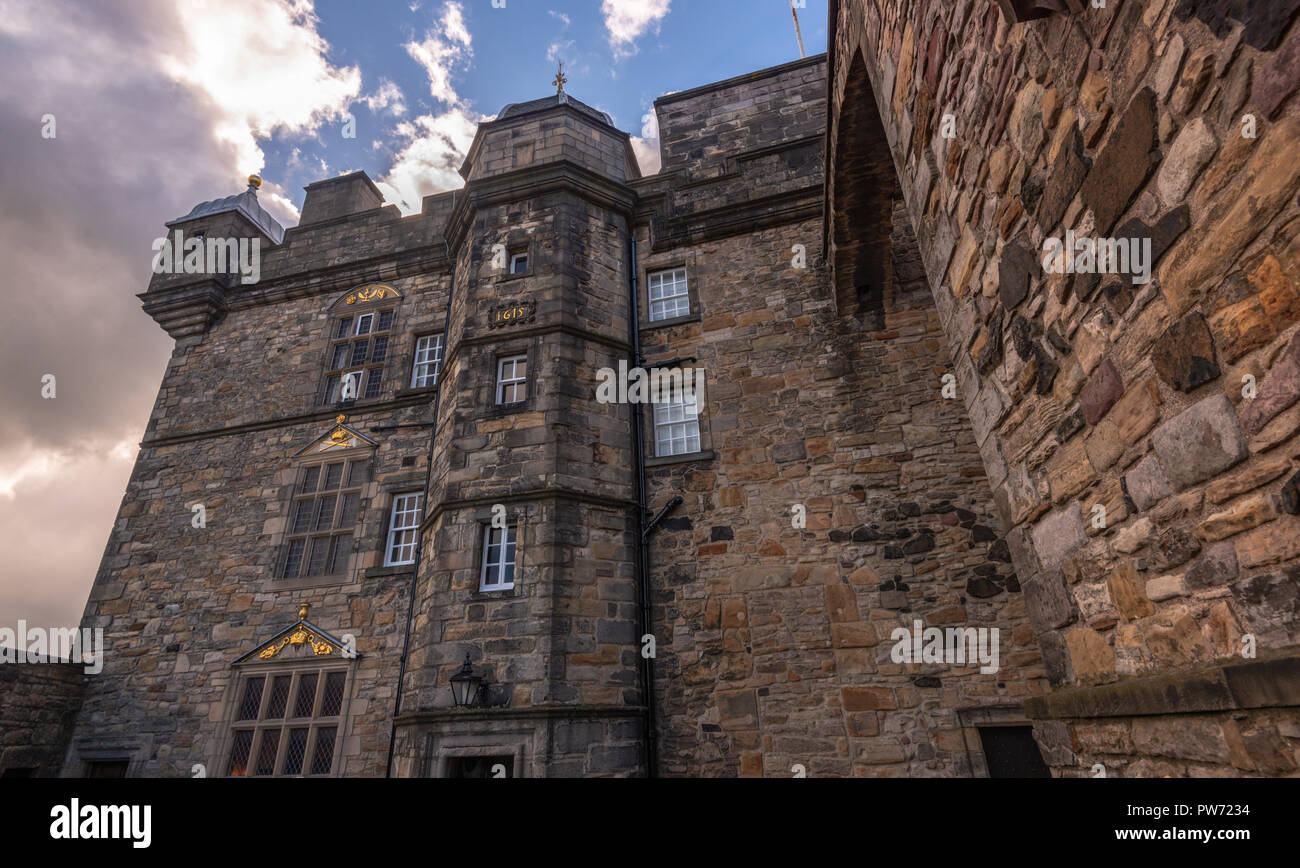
(119, 115)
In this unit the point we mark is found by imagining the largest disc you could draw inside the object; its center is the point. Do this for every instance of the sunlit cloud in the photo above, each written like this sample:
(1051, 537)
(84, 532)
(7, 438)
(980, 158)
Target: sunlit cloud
(263, 67)
(433, 146)
(628, 20)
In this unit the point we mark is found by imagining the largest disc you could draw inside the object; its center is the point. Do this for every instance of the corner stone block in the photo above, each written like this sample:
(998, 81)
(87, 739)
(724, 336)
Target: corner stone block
(1090, 654)
(1201, 441)
(1050, 605)
(1058, 534)
(1127, 593)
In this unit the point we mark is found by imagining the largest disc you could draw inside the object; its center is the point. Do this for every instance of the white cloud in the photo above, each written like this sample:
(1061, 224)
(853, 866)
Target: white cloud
(387, 96)
(263, 68)
(435, 144)
(559, 50)
(430, 159)
(646, 145)
(441, 49)
(628, 20)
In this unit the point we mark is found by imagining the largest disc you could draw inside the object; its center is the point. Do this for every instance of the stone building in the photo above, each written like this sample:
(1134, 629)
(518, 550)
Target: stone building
(389, 463)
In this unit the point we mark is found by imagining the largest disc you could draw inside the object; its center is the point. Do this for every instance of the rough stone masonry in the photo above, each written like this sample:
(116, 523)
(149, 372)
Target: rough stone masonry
(906, 418)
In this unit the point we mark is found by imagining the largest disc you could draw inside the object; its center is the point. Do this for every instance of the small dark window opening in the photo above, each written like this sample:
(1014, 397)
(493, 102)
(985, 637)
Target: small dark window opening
(1011, 752)
(480, 766)
(107, 769)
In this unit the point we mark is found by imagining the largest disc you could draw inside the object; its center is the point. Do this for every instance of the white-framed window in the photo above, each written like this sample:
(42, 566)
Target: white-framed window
(519, 263)
(668, 294)
(364, 323)
(403, 525)
(498, 570)
(677, 425)
(512, 379)
(428, 361)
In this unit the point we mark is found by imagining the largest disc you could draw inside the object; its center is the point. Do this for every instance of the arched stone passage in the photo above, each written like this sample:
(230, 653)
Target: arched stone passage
(1148, 547)
(862, 192)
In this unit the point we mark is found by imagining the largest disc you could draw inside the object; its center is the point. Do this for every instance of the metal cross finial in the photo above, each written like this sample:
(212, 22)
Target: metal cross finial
(560, 79)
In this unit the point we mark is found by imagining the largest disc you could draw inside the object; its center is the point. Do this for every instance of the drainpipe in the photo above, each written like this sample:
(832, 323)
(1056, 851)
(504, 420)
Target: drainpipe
(419, 537)
(643, 552)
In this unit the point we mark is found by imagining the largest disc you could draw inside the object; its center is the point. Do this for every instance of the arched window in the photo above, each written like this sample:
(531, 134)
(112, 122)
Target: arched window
(359, 337)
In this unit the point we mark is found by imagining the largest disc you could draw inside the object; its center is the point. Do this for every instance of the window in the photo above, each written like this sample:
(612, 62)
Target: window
(428, 361)
(322, 515)
(402, 529)
(677, 424)
(519, 263)
(1011, 752)
(358, 349)
(668, 295)
(106, 768)
(498, 571)
(512, 385)
(288, 724)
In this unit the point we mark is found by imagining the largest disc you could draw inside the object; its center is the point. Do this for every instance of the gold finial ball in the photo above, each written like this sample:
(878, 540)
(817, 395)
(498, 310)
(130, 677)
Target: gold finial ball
(255, 181)
(340, 418)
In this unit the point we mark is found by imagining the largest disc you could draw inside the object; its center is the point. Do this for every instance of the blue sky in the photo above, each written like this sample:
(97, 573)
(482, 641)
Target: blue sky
(511, 58)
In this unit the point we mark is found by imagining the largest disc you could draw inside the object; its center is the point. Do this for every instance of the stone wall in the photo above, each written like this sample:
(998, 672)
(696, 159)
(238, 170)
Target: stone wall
(38, 702)
(237, 407)
(774, 638)
(1141, 439)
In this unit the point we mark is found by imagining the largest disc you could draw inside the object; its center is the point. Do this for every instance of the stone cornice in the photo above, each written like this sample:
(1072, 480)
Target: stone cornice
(191, 308)
(725, 221)
(1270, 683)
(444, 715)
(323, 414)
(548, 493)
(535, 181)
(185, 311)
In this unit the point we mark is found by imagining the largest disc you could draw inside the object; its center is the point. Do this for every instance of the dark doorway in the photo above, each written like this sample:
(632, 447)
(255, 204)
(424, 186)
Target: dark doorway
(1011, 752)
(480, 767)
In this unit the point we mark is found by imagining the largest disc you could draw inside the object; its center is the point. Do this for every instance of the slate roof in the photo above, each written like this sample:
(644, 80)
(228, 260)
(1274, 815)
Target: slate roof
(245, 203)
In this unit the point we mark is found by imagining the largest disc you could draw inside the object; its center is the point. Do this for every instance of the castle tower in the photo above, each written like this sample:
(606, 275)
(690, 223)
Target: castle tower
(528, 558)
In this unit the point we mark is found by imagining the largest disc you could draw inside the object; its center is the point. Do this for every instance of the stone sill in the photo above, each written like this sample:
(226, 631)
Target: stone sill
(380, 572)
(1228, 687)
(305, 582)
(667, 323)
(488, 596)
(704, 455)
(410, 391)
